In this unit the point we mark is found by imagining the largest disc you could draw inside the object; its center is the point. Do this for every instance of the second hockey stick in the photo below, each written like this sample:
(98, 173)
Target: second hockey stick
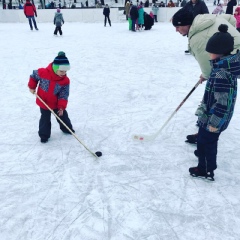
(143, 138)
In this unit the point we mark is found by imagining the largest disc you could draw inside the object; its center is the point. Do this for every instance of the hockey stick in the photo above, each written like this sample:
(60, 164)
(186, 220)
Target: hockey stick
(66, 126)
(152, 137)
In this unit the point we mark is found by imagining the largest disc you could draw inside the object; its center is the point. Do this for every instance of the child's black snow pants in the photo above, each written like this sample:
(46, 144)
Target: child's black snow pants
(58, 29)
(207, 149)
(45, 123)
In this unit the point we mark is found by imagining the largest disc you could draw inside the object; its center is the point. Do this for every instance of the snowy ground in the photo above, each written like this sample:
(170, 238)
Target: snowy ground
(122, 83)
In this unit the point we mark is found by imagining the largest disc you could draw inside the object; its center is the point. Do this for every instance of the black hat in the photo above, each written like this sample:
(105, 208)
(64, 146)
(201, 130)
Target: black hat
(221, 42)
(182, 17)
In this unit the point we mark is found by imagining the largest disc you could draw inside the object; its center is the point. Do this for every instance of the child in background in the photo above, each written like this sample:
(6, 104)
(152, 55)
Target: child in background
(237, 16)
(58, 21)
(155, 9)
(53, 89)
(218, 9)
(29, 11)
(216, 110)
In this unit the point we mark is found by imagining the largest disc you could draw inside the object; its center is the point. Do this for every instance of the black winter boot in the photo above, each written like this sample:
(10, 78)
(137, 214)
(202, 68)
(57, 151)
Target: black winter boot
(44, 140)
(192, 138)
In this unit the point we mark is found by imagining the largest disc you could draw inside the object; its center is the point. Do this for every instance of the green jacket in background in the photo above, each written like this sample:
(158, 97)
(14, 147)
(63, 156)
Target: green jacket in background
(202, 28)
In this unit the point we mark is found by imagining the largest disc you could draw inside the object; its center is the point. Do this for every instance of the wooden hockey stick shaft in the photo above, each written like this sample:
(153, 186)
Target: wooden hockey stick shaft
(151, 137)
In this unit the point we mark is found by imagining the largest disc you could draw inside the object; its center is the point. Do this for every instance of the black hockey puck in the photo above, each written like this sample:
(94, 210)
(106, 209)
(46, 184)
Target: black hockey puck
(99, 154)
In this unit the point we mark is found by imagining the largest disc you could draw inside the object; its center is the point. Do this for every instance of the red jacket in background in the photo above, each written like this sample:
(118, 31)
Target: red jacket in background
(29, 9)
(53, 90)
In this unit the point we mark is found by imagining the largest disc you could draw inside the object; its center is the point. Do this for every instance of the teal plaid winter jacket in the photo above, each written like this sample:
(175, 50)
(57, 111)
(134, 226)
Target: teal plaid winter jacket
(220, 93)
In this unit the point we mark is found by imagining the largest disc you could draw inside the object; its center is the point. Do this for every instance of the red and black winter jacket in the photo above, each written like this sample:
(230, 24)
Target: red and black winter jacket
(53, 90)
(29, 9)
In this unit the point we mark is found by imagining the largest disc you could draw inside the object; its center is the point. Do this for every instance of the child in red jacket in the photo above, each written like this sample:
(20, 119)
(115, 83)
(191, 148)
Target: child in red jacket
(29, 11)
(53, 89)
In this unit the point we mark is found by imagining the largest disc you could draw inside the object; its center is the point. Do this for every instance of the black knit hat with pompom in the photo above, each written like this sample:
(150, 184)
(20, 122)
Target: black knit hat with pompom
(221, 42)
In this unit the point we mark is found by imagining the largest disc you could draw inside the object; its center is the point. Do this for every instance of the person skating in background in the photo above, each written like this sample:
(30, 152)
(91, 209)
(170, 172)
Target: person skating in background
(161, 4)
(183, 3)
(53, 88)
(199, 30)
(216, 109)
(129, 18)
(196, 7)
(134, 16)
(230, 5)
(29, 11)
(237, 17)
(106, 13)
(58, 21)
(127, 9)
(140, 20)
(155, 9)
(171, 4)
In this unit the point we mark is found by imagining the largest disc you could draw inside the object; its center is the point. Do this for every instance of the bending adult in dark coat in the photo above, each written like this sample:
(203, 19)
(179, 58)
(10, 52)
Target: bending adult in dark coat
(230, 6)
(148, 21)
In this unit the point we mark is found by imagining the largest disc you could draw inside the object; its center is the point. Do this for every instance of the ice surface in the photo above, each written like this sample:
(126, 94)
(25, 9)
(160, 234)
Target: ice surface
(122, 83)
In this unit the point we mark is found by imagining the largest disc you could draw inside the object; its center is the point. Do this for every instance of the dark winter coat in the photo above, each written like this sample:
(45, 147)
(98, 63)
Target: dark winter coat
(106, 11)
(183, 3)
(148, 21)
(220, 93)
(146, 4)
(53, 90)
(134, 12)
(230, 6)
(161, 4)
(199, 8)
(58, 19)
(29, 9)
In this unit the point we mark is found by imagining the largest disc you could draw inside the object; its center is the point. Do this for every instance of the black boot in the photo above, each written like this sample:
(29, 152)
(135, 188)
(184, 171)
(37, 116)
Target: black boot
(192, 138)
(44, 140)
